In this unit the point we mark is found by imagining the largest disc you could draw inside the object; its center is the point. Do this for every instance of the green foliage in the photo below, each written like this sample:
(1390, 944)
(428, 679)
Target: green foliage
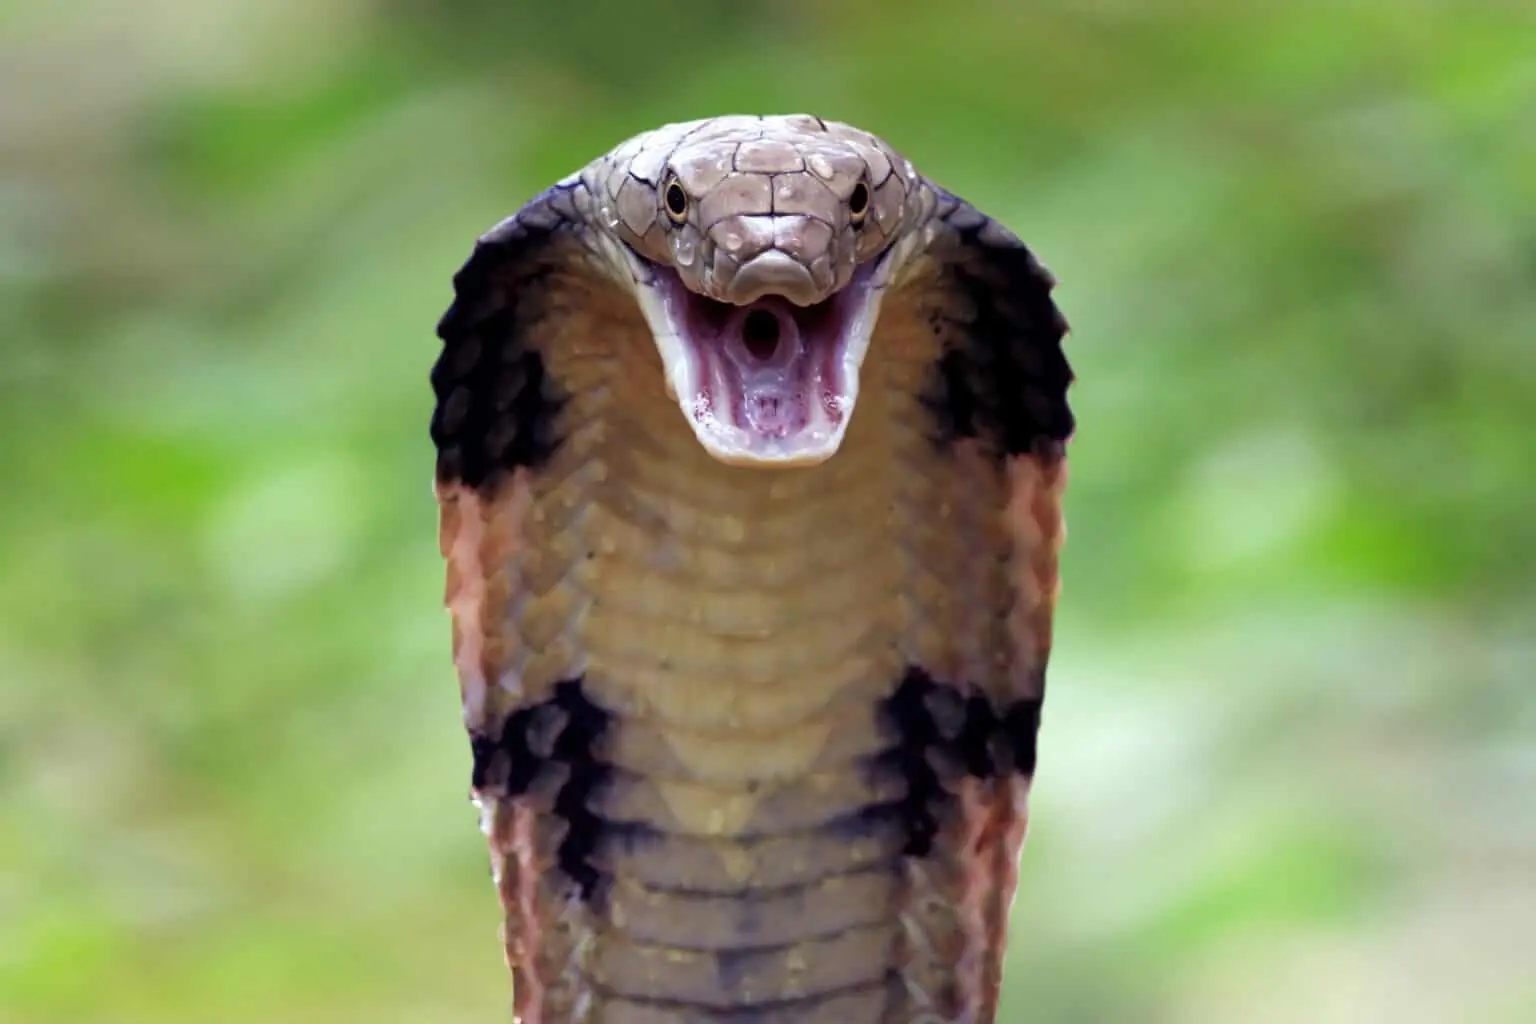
(1286, 768)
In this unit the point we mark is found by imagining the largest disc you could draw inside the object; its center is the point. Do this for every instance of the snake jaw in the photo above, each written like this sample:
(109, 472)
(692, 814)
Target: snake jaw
(766, 383)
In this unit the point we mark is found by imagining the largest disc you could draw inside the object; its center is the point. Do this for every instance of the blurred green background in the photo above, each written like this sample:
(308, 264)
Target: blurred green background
(1289, 760)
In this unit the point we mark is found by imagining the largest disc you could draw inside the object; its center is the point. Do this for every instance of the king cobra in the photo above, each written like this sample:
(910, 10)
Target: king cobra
(750, 460)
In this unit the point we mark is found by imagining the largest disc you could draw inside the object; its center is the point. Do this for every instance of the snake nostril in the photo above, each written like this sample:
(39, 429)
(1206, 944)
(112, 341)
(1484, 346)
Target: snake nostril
(858, 203)
(760, 334)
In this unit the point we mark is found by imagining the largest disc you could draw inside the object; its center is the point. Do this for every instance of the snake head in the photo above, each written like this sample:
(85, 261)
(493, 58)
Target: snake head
(759, 251)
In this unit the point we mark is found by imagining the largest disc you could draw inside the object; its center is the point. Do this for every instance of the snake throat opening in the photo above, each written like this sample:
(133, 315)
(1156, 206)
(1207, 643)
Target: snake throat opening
(769, 381)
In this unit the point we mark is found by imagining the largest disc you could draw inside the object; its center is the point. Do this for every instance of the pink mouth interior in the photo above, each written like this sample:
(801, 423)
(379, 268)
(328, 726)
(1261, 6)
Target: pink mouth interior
(771, 370)
(765, 364)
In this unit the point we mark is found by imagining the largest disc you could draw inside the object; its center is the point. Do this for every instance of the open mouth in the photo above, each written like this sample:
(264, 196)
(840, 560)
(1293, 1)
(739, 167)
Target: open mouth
(767, 382)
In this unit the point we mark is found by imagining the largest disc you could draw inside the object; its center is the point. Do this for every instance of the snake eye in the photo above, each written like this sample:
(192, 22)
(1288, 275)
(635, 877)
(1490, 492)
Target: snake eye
(858, 203)
(676, 201)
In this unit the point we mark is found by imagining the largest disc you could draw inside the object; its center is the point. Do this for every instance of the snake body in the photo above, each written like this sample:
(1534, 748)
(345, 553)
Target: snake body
(751, 450)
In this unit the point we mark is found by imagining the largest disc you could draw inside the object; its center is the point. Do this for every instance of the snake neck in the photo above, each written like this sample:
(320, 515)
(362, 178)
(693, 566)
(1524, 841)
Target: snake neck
(741, 670)
(755, 583)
